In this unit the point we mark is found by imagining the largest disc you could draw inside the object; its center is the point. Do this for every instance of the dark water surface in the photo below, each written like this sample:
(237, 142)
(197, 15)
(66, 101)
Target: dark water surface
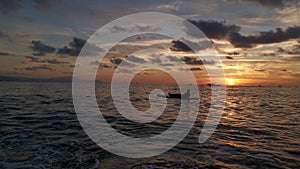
(260, 128)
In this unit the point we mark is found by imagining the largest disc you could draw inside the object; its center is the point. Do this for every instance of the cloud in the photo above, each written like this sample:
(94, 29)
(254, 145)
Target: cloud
(98, 63)
(293, 59)
(135, 28)
(54, 61)
(280, 50)
(155, 59)
(229, 57)
(5, 54)
(184, 45)
(233, 53)
(105, 66)
(268, 54)
(177, 45)
(260, 70)
(195, 69)
(8, 6)
(75, 46)
(116, 61)
(272, 3)
(33, 59)
(43, 4)
(3, 35)
(40, 48)
(295, 50)
(135, 59)
(35, 68)
(174, 58)
(265, 37)
(38, 54)
(223, 31)
(194, 61)
(125, 71)
(50, 61)
(215, 29)
(77, 43)
(94, 63)
(68, 51)
(167, 64)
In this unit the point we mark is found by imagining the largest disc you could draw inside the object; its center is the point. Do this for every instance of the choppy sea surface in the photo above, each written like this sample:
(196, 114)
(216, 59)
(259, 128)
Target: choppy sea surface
(260, 128)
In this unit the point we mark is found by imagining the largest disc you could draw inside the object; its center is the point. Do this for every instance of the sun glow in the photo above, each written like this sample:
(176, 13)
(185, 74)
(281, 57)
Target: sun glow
(230, 82)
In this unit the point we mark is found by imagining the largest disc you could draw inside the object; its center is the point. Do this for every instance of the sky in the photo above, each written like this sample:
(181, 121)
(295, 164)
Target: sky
(258, 41)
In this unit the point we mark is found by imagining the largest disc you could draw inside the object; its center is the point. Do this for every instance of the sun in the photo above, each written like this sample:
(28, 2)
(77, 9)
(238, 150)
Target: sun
(230, 82)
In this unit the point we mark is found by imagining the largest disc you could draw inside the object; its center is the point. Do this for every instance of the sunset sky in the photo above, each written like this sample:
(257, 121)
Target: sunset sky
(257, 40)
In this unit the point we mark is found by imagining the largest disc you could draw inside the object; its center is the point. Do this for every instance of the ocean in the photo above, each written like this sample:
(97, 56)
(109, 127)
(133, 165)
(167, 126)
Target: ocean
(39, 129)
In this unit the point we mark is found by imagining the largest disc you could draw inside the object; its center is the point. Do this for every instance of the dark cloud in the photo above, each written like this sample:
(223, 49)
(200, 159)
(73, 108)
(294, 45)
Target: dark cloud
(5, 54)
(105, 66)
(3, 35)
(35, 68)
(195, 69)
(229, 57)
(8, 6)
(272, 3)
(101, 65)
(177, 45)
(74, 48)
(260, 70)
(116, 61)
(215, 29)
(50, 61)
(33, 59)
(135, 59)
(186, 45)
(233, 53)
(77, 43)
(54, 61)
(40, 48)
(194, 61)
(295, 50)
(280, 50)
(265, 37)
(221, 30)
(38, 54)
(68, 51)
(269, 54)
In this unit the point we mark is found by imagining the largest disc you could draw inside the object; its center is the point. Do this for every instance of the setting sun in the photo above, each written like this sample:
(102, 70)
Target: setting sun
(230, 82)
